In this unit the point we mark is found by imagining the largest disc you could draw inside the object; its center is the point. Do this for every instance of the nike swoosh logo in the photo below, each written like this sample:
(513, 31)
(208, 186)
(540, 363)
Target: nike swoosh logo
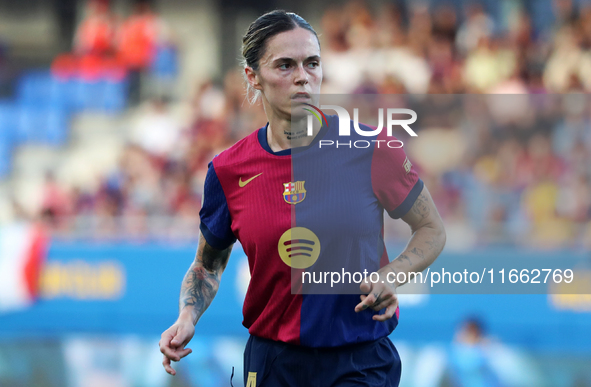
(243, 183)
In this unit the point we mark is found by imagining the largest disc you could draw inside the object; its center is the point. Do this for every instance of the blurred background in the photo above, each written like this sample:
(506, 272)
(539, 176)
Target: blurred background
(111, 110)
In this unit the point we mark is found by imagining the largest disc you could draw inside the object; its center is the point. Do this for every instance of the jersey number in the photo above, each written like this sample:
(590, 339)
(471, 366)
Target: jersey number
(252, 379)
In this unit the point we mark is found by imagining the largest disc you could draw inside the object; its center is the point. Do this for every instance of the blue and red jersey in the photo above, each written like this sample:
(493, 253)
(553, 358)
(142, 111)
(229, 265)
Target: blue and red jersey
(337, 197)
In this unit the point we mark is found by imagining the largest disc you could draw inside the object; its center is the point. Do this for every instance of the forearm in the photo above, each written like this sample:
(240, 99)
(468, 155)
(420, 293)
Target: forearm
(197, 291)
(202, 281)
(427, 240)
(423, 248)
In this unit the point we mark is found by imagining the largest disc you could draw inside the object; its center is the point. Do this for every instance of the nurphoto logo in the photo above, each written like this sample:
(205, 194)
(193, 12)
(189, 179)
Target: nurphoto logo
(392, 120)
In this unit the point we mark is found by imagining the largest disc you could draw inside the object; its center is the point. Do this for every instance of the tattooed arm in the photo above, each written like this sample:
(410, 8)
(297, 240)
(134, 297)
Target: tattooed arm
(427, 240)
(202, 280)
(425, 244)
(198, 289)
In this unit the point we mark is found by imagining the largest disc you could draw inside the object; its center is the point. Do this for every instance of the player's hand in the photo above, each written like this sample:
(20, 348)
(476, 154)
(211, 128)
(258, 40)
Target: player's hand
(173, 342)
(380, 295)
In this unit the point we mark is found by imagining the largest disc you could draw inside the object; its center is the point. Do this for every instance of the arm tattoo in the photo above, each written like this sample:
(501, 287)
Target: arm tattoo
(418, 252)
(403, 257)
(213, 260)
(432, 243)
(387, 267)
(199, 288)
(202, 280)
(421, 206)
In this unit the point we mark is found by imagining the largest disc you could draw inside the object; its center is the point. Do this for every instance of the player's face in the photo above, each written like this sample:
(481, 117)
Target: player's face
(290, 70)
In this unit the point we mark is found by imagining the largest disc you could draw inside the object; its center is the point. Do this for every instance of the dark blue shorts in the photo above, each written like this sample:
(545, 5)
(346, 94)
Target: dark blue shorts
(269, 363)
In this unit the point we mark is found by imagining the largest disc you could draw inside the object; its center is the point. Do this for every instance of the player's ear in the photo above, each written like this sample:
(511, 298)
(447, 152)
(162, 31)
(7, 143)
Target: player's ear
(252, 78)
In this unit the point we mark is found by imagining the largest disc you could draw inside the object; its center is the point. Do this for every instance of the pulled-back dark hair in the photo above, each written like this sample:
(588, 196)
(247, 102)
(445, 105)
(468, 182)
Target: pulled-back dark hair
(264, 28)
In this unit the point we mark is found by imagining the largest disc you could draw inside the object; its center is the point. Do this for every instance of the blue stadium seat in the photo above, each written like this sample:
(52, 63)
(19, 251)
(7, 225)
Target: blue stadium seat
(5, 157)
(27, 124)
(104, 95)
(34, 87)
(57, 126)
(61, 93)
(82, 95)
(115, 96)
(42, 125)
(165, 64)
(7, 135)
(8, 120)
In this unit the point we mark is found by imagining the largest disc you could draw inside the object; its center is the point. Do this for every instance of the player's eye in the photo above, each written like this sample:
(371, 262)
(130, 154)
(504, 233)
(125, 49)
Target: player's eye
(284, 66)
(313, 64)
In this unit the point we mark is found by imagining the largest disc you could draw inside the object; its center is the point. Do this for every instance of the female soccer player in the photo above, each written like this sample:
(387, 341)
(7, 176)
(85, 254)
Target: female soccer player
(280, 212)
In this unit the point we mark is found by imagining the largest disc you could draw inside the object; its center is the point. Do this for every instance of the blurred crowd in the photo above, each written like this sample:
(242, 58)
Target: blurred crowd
(108, 45)
(445, 50)
(534, 178)
(508, 169)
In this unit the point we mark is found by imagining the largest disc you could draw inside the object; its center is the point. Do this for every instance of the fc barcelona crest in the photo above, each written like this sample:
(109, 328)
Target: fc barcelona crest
(295, 192)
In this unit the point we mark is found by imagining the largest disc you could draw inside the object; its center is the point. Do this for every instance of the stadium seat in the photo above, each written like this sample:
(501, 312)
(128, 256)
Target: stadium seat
(165, 64)
(34, 87)
(61, 93)
(5, 156)
(57, 126)
(26, 124)
(88, 95)
(42, 125)
(8, 117)
(115, 96)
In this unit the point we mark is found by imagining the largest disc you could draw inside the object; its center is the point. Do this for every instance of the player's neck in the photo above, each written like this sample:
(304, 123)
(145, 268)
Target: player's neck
(285, 134)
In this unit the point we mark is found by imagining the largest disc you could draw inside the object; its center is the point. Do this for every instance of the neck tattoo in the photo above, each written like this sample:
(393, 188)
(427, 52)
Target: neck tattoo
(294, 135)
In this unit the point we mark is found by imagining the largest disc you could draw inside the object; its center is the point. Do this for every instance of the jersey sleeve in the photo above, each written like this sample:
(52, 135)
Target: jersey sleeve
(394, 180)
(215, 216)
